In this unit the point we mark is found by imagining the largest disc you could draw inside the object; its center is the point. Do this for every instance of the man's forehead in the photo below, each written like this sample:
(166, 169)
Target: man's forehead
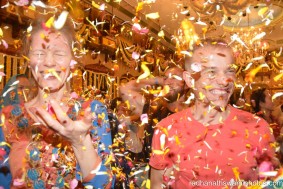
(208, 51)
(204, 66)
(205, 58)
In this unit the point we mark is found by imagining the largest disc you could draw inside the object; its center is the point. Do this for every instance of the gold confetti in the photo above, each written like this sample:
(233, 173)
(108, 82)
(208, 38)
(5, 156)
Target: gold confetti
(201, 96)
(49, 22)
(146, 71)
(251, 75)
(262, 11)
(177, 140)
(236, 173)
(1, 32)
(154, 15)
(140, 6)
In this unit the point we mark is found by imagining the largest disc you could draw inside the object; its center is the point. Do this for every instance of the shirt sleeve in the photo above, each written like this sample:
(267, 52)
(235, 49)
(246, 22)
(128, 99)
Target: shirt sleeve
(101, 176)
(5, 174)
(265, 142)
(16, 140)
(160, 158)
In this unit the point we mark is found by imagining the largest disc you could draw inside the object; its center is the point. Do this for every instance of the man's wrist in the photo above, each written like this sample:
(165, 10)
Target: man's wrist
(83, 142)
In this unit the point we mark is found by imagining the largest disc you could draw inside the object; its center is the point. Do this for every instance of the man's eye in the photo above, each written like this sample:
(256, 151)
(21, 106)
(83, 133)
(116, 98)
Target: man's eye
(232, 71)
(60, 54)
(210, 72)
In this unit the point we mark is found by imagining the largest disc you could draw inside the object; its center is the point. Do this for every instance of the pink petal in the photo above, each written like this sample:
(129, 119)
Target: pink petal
(22, 2)
(102, 7)
(74, 95)
(18, 182)
(5, 44)
(73, 63)
(135, 55)
(144, 31)
(2, 152)
(196, 67)
(2, 74)
(73, 183)
(136, 27)
(265, 166)
(43, 25)
(144, 118)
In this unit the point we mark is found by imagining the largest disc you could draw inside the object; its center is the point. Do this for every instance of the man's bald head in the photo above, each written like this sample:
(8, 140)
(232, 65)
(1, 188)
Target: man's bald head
(202, 52)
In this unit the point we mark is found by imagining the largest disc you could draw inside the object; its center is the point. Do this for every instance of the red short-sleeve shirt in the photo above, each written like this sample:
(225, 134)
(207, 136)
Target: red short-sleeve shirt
(214, 153)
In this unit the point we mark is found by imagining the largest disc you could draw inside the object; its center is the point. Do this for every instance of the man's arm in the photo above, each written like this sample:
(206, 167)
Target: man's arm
(156, 177)
(132, 92)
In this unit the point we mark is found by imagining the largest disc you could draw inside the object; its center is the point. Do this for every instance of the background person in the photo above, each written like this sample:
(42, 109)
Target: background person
(263, 106)
(153, 105)
(16, 91)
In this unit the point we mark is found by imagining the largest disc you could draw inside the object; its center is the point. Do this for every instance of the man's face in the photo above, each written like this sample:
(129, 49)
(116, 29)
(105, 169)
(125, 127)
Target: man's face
(175, 82)
(268, 104)
(122, 109)
(50, 58)
(212, 76)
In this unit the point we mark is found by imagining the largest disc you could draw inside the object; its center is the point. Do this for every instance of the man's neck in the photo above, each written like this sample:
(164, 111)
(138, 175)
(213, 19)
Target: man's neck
(43, 97)
(209, 115)
(177, 105)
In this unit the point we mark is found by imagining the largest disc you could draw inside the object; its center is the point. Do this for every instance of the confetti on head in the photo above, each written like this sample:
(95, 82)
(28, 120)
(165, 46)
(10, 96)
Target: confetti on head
(196, 67)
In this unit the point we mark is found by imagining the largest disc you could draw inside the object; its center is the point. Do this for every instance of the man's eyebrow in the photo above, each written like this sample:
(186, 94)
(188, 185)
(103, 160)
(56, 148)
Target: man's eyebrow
(209, 67)
(221, 54)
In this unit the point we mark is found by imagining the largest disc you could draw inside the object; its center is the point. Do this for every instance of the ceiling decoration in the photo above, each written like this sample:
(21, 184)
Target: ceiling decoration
(212, 7)
(249, 26)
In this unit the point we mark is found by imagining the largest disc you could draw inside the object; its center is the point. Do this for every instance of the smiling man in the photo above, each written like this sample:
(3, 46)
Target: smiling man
(156, 106)
(210, 144)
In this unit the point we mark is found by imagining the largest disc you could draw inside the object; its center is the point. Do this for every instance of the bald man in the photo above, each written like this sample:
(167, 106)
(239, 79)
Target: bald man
(210, 144)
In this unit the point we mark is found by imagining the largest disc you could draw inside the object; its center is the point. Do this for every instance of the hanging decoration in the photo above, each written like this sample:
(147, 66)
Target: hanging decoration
(186, 38)
(276, 65)
(212, 7)
(127, 50)
(249, 46)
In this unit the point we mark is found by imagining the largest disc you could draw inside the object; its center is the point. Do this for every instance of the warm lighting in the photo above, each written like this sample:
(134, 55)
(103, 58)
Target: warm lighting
(249, 46)
(212, 7)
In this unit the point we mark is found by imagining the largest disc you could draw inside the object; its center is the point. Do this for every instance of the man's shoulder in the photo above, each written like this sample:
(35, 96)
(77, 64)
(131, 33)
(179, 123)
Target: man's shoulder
(239, 111)
(175, 117)
(246, 117)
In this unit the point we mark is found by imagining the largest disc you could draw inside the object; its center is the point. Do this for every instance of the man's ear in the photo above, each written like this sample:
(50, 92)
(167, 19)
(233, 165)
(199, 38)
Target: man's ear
(188, 79)
(253, 103)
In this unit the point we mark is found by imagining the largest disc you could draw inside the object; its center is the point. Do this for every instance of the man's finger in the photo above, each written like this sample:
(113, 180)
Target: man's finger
(49, 120)
(88, 116)
(62, 116)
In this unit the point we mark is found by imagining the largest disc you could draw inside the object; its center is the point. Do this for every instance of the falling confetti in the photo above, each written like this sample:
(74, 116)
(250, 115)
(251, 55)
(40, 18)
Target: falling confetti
(154, 15)
(60, 22)
(145, 70)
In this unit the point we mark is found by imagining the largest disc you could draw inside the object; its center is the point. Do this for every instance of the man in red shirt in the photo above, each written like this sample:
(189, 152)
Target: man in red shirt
(211, 144)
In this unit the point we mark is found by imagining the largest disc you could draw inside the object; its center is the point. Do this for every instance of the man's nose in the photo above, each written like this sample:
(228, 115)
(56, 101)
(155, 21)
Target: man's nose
(49, 60)
(223, 79)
